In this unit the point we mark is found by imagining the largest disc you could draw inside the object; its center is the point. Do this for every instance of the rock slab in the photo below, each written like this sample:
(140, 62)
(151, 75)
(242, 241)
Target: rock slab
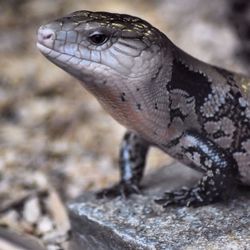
(139, 223)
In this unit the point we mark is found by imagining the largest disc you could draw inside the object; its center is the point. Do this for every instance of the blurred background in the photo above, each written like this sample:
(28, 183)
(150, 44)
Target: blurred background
(55, 139)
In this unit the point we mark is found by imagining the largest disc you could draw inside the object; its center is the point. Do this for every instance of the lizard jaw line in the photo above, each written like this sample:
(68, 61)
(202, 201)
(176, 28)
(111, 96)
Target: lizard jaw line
(42, 48)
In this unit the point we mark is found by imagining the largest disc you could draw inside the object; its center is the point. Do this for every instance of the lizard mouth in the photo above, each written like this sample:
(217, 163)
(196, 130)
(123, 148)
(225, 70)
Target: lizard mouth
(60, 59)
(70, 63)
(53, 54)
(44, 49)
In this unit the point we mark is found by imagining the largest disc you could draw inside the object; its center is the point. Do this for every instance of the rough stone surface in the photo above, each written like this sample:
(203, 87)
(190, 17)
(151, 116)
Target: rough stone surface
(139, 223)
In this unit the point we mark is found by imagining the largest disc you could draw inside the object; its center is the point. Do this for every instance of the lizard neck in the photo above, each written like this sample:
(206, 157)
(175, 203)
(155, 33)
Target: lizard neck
(141, 104)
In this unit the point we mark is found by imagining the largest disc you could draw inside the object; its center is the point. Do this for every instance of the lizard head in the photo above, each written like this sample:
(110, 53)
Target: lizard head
(90, 45)
(111, 54)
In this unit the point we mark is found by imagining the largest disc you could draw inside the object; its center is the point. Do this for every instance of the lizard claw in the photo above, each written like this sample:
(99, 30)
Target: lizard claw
(123, 189)
(184, 197)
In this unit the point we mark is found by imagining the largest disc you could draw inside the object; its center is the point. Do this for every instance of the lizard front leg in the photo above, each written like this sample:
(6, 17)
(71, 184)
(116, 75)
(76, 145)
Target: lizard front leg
(220, 173)
(133, 154)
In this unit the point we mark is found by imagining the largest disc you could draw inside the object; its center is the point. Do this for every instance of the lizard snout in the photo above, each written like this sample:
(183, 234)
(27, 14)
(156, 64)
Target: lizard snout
(46, 36)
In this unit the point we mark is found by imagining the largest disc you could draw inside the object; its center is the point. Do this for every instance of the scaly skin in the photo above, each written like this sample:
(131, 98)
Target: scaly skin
(195, 112)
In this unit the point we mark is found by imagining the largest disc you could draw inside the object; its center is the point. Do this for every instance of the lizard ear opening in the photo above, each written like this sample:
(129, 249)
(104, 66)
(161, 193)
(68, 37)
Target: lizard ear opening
(98, 38)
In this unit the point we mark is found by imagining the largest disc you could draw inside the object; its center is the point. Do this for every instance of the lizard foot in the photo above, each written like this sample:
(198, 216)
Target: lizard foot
(123, 189)
(194, 197)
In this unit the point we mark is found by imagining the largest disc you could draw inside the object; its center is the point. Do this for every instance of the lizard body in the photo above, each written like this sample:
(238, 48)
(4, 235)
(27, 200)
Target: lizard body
(195, 112)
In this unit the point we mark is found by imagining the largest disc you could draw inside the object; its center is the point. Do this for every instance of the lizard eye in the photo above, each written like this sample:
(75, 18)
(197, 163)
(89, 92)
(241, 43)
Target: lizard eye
(98, 38)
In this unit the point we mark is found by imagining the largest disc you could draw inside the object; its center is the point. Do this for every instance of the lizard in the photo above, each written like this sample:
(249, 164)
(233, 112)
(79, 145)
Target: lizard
(197, 113)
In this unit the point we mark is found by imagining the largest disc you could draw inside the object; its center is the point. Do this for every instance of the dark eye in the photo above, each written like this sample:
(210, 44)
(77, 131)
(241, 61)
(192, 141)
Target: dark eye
(98, 38)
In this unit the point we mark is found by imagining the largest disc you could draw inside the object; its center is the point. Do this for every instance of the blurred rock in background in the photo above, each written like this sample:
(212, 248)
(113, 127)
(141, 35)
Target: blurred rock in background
(239, 16)
(54, 136)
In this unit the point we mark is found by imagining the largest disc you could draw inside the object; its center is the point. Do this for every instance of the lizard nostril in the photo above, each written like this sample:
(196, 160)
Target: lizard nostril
(47, 36)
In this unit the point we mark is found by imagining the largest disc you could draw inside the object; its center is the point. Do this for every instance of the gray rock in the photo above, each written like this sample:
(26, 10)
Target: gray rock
(139, 223)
